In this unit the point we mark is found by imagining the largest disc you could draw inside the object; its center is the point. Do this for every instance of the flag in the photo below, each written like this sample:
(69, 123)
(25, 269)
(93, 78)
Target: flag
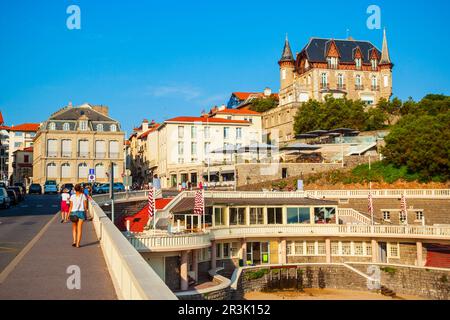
(199, 202)
(404, 210)
(151, 202)
(370, 206)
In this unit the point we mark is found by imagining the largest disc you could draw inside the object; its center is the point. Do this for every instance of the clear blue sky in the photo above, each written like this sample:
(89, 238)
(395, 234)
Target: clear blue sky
(158, 59)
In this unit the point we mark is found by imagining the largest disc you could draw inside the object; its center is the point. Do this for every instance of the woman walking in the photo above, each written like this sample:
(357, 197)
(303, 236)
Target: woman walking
(65, 203)
(78, 209)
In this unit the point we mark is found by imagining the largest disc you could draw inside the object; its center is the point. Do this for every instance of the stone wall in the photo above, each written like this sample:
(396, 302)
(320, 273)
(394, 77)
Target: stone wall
(313, 276)
(435, 210)
(425, 282)
(250, 173)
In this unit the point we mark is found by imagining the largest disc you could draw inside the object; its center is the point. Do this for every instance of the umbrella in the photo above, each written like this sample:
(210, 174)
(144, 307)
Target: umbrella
(306, 136)
(318, 132)
(227, 149)
(300, 147)
(256, 148)
(344, 131)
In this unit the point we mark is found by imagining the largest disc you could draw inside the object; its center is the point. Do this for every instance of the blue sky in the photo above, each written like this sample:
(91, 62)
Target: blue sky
(159, 59)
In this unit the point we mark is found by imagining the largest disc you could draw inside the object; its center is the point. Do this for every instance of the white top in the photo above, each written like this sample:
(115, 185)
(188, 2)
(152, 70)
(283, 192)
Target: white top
(78, 202)
(65, 197)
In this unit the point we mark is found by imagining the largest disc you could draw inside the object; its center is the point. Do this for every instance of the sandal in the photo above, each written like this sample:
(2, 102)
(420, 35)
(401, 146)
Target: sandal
(74, 244)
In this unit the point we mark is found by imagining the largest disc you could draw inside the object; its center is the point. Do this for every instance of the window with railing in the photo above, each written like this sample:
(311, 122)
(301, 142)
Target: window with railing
(219, 216)
(375, 86)
(358, 83)
(52, 148)
(340, 82)
(66, 148)
(324, 81)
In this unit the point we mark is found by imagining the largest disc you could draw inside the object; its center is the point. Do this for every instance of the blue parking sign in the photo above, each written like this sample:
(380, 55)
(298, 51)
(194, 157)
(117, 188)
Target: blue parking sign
(91, 171)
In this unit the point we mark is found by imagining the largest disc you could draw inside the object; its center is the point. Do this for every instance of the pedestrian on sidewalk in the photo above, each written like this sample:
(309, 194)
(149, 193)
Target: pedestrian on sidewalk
(65, 204)
(78, 210)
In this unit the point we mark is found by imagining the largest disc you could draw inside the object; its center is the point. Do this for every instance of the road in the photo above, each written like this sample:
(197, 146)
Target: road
(19, 224)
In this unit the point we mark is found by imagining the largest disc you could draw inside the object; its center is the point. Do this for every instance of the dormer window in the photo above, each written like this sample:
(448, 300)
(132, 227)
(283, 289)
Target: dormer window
(358, 63)
(113, 128)
(66, 127)
(332, 62)
(52, 126)
(100, 127)
(374, 63)
(83, 125)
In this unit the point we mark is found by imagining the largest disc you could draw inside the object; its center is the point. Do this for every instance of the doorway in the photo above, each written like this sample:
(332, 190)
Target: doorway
(258, 253)
(383, 252)
(284, 173)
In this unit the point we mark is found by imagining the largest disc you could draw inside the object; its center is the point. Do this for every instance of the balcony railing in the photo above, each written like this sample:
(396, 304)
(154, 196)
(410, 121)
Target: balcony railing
(83, 154)
(52, 154)
(375, 88)
(166, 242)
(66, 154)
(341, 86)
(359, 87)
(388, 193)
(114, 155)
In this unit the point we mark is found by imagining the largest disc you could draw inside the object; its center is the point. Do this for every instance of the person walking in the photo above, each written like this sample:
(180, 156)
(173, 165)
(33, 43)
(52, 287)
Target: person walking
(65, 203)
(156, 182)
(78, 209)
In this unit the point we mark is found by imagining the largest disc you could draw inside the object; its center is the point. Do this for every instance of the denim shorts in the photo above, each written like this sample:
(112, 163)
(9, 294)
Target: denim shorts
(80, 214)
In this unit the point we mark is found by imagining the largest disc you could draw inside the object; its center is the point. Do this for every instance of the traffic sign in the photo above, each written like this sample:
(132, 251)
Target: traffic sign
(91, 178)
(91, 171)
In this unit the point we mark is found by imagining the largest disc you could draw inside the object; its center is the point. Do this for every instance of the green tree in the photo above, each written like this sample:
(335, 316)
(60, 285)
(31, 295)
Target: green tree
(263, 104)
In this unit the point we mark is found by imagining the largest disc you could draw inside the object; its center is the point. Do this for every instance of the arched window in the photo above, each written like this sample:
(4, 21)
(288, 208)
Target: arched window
(83, 171)
(113, 128)
(51, 170)
(66, 170)
(100, 171)
(66, 127)
(100, 127)
(52, 126)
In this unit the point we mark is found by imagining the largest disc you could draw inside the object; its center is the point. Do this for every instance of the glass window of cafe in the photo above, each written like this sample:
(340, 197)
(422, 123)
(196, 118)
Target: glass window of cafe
(274, 215)
(324, 215)
(298, 215)
(219, 216)
(237, 216)
(256, 215)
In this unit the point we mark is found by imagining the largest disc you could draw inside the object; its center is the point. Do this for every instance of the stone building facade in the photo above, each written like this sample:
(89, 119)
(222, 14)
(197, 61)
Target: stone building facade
(348, 68)
(73, 141)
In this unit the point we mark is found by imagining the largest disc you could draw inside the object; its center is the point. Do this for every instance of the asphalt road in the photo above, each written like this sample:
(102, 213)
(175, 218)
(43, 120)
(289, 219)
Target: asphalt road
(20, 223)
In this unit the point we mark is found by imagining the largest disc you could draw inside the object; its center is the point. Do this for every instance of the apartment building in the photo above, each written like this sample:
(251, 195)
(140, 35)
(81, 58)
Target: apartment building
(186, 146)
(76, 140)
(23, 166)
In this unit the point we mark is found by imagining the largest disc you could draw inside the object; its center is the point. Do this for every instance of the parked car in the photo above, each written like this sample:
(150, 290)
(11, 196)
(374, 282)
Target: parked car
(13, 196)
(5, 201)
(18, 190)
(50, 186)
(68, 186)
(104, 188)
(35, 188)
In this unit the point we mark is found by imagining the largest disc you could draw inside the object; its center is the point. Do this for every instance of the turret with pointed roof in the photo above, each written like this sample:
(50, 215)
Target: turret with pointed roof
(385, 59)
(287, 53)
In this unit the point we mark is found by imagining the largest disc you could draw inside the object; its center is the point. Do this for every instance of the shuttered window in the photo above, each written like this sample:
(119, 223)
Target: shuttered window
(51, 170)
(100, 149)
(66, 171)
(83, 171)
(52, 148)
(83, 148)
(100, 171)
(66, 147)
(114, 149)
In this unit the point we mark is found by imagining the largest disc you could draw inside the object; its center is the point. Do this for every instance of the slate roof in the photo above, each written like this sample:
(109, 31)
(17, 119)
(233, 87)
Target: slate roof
(317, 48)
(74, 113)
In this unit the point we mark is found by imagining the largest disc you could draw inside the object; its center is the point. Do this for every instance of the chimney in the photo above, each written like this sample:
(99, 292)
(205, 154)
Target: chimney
(144, 125)
(101, 109)
(267, 92)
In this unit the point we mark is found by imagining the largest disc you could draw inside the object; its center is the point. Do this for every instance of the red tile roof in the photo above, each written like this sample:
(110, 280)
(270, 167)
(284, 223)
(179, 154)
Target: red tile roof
(204, 119)
(245, 95)
(139, 220)
(25, 127)
(29, 149)
(243, 111)
(146, 133)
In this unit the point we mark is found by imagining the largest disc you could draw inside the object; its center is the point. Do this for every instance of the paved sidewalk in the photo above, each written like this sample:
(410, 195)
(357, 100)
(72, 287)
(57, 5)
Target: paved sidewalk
(41, 274)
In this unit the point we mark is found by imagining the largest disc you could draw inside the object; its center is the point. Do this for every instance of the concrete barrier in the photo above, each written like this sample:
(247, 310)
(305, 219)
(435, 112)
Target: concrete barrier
(132, 276)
